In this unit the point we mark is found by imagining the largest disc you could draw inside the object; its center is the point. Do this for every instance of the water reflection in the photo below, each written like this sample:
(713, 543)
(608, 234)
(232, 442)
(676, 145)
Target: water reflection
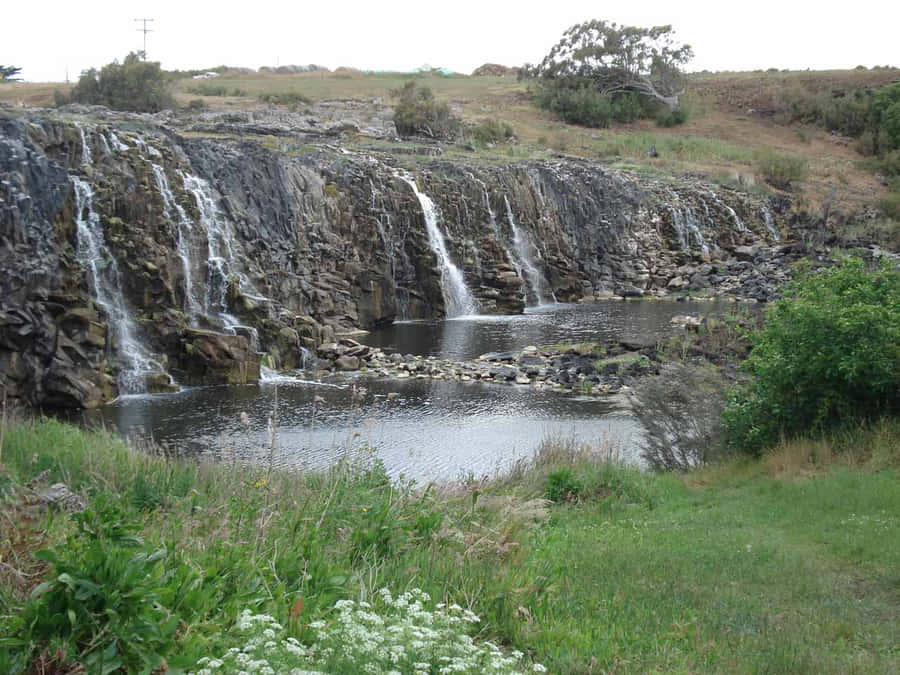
(468, 337)
(420, 428)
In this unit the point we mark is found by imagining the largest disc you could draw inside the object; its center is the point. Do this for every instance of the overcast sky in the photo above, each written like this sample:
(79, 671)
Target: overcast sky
(48, 37)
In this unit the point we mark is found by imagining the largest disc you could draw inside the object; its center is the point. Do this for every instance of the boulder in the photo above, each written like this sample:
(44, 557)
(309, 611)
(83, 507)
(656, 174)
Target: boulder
(208, 357)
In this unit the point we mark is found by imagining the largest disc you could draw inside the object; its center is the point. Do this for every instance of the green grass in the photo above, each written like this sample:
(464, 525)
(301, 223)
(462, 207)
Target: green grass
(789, 564)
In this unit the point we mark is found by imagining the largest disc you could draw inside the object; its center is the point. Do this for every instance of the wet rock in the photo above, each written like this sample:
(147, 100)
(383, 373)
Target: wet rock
(208, 357)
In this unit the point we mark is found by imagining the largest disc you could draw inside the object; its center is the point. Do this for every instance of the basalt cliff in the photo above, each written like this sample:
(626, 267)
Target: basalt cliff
(139, 257)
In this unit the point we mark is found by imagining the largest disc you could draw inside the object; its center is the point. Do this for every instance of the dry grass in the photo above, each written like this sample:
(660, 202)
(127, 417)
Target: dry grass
(720, 141)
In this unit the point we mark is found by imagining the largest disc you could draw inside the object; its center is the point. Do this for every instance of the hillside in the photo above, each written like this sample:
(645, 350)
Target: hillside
(732, 124)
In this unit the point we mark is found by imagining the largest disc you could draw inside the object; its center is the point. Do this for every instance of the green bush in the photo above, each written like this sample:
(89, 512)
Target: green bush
(134, 84)
(827, 355)
(492, 130)
(563, 485)
(286, 98)
(890, 205)
(781, 171)
(672, 118)
(108, 598)
(575, 103)
(418, 113)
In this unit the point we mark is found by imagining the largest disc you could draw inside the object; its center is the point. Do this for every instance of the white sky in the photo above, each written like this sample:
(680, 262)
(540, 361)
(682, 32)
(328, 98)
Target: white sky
(45, 37)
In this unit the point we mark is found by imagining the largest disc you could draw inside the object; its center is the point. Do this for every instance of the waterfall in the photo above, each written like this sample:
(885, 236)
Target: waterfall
(183, 247)
(86, 157)
(770, 224)
(104, 280)
(738, 223)
(534, 278)
(117, 144)
(221, 260)
(458, 300)
(686, 227)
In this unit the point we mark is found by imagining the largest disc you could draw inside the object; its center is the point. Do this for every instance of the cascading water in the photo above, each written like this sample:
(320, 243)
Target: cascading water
(117, 144)
(738, 223)
(770, 224)
(537, 285)
(86, 158)
(685, 223)
(220, 263)
(183, 247)
(458, 300)
(103, 276)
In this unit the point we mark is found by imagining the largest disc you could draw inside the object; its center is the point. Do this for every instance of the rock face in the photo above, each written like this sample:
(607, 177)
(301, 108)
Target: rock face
(129, 252)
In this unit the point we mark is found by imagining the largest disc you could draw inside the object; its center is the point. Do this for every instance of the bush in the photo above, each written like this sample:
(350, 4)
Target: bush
(108, 598)
(135, 85)
(827, 355)
(492, 130)
(563, 485)
(781, 171)
(418, 113)
(286, 98)
(890, 205)
(575, 103)
(681, 411)
(672, 118)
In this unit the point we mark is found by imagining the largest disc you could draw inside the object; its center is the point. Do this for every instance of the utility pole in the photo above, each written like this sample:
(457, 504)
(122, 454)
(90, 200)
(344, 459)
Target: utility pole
(144, 30)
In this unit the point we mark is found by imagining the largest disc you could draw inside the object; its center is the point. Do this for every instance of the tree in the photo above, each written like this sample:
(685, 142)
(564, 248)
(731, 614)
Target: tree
(136, 85)
(8, 74)
(614, 59)
(418, 113)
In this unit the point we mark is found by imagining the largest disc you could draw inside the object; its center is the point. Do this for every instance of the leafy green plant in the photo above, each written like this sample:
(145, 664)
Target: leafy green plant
(563, 485)
(109, 597)
(828, 354)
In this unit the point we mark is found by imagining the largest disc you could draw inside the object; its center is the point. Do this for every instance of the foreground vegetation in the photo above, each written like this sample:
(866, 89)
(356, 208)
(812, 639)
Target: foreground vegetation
(785, 564)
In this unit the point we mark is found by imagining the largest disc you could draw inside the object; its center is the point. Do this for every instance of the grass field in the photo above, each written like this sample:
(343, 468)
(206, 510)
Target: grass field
(786, 565)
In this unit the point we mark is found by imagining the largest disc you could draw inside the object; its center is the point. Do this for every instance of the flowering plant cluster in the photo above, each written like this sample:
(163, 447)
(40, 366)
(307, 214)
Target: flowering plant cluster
(396, 635)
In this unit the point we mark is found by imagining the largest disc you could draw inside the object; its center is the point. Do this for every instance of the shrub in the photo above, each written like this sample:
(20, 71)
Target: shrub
(681, 411)
(576, 103)
(890, 205)
(672, 118)
(492, 130)
(197, 104)
(286, 98)
(828, 354)
(781, 171)
(108, 597)
(418, 113)
(563, 485)
(134, 84)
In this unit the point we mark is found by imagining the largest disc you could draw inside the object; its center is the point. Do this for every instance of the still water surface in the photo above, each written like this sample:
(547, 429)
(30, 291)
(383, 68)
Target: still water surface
(423, 429)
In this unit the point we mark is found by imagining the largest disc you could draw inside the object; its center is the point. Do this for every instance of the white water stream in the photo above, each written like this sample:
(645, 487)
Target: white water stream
(104, 280)
(458, 300)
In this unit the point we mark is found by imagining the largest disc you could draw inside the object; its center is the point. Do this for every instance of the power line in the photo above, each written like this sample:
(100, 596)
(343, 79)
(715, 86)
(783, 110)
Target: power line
(144, 30)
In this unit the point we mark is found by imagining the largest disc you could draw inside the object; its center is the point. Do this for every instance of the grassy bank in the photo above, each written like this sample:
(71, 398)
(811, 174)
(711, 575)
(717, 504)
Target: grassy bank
(786, 564)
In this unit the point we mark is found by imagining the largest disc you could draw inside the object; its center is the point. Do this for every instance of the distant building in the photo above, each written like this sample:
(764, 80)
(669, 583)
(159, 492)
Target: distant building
(205, 76)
